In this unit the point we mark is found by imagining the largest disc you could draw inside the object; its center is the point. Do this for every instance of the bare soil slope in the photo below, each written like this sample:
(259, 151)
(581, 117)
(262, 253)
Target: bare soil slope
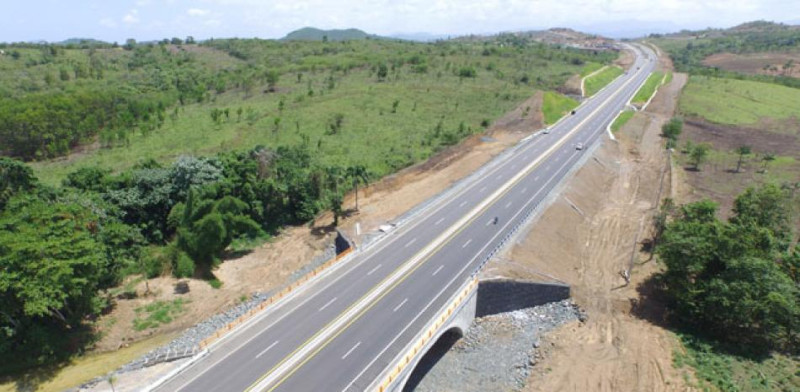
(589, 237)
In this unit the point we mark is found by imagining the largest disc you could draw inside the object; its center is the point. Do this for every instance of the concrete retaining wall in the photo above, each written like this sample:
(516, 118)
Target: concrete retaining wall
(505, 295)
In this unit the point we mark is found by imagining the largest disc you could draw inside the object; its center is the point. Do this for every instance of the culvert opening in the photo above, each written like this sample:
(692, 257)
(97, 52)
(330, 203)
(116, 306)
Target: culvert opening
(445, 342)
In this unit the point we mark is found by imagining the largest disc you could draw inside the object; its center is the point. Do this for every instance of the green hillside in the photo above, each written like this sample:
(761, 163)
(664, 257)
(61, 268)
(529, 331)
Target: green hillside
(314, 34)
(745, 102)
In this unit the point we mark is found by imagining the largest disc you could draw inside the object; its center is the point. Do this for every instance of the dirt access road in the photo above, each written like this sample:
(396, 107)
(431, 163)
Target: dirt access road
(587, 238)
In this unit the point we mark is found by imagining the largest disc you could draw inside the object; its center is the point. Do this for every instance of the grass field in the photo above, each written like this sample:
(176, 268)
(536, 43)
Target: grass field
(649, 87)
(595, 83)
(590, 67)
(385, 126)
(81, 369)
(719, 370)
(555, 105)
(738, 102)
(621, 120)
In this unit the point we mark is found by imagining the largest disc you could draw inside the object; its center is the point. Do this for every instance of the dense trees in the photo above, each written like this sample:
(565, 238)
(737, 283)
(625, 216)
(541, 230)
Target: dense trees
(735, 280)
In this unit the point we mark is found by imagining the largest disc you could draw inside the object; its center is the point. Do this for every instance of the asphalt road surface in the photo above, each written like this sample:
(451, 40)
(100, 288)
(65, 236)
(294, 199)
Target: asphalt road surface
(339, 332)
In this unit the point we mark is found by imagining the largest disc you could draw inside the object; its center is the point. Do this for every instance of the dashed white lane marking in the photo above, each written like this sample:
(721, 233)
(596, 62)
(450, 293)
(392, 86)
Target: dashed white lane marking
(351, 350)
(438, 221)
(374, 269)
(437, 270)
(524, 190)
(466, 243)
(401, 305)
(411, 242)
(266, 349)
(536, 179)
(482, 189)
(508, 204)
(328, 304)
(462, 203)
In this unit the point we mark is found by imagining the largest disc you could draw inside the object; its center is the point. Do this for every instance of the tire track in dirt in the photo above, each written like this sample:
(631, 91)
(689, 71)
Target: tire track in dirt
(613, 350)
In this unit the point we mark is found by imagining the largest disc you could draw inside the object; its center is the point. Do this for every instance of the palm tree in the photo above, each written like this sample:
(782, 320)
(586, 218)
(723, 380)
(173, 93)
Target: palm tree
(357, 173)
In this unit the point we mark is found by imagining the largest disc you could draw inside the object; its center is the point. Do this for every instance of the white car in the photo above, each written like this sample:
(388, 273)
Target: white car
(579, 146)
(546, 131)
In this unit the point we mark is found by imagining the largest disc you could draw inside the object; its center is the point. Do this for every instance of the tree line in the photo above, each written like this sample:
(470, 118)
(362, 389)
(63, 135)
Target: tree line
(737, 281)
(62, 249)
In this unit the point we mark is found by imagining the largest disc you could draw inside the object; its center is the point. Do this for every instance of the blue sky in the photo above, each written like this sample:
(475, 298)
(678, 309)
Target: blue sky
(116, 20)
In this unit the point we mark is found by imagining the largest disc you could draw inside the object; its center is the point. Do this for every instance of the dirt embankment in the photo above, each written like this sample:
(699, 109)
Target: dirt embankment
(768, 63)
(590, 237)
(272, 264)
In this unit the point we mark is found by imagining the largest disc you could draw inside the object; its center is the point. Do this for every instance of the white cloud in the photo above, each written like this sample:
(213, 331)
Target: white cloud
(132, 17)
(197, 12)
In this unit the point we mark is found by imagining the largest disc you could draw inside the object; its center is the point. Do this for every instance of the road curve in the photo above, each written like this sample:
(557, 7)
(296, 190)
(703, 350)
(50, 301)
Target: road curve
(318, 339)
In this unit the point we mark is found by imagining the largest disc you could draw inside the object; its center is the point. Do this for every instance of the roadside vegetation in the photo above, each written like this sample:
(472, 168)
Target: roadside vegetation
(731, 259)
(649, 88)
(589, 68)
(157, 313)
(732, 288)
(162, 159)
(555, 106)
(596, 82)
(688, 50)
(621, 120)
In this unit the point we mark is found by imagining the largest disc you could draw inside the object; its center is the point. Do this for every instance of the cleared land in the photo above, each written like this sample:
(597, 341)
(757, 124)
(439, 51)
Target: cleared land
(738, 102)
(773, 64)
(555, 105)
(596, 82)
(759, 115)
(649, 87)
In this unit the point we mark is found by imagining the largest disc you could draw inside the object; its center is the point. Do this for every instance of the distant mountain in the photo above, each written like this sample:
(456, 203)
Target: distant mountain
(420, 37)
(81, 41)
(315, 34)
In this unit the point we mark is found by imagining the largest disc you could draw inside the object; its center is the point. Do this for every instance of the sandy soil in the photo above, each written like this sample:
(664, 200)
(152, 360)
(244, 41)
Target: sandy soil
(271, 265)
(589, 237)
(776, 64)
(625, 59)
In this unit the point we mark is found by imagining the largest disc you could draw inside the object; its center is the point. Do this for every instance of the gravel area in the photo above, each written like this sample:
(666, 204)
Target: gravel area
(497, 352)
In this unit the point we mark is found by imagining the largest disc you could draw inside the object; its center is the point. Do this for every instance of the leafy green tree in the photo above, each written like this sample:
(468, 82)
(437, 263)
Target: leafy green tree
(729, 279)
(672, 129)
(383, 72)
(765, 207)
(743, 151)
(699, 155)
(15, 177)
(88, 179)
(55, 254)
(272, 78)
(335, 201)
(207, 226)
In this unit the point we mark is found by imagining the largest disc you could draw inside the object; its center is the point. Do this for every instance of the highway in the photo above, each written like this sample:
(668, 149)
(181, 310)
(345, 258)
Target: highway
(343, 329)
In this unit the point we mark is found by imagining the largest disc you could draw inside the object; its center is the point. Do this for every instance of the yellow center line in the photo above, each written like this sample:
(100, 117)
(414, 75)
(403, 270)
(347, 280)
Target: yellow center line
(410, 271)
